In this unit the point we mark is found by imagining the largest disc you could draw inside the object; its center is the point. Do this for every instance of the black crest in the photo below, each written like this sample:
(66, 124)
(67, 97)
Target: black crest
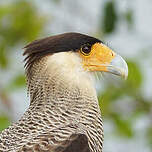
(54, 44)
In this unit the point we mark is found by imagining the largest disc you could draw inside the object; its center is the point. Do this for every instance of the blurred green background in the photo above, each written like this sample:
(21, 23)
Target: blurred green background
(125, 25)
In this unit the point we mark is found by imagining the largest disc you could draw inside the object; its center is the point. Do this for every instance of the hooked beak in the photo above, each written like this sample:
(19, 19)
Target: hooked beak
(118, 66)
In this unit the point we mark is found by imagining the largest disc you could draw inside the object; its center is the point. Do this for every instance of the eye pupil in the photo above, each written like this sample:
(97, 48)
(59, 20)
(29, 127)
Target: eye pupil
(86, 49)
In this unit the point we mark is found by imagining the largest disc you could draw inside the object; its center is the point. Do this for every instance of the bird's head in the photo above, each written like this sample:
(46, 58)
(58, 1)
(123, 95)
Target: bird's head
(75, 51)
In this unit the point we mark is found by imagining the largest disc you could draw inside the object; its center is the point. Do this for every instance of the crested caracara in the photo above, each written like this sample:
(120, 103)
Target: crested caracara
(64, 114)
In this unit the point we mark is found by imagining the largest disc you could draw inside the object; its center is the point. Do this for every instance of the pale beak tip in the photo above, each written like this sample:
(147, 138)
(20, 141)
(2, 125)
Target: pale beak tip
(125, 74)
(118, 66)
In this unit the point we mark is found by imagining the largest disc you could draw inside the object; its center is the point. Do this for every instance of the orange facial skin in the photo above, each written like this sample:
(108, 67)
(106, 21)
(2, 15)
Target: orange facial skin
(98, 59)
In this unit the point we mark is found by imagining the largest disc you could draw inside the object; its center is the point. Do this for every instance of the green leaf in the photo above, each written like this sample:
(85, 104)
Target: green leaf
(111, 94)
(20, 21)
(17, 82)
(4, 122)
(109, 18)
(129, 18)
(149, 136)
(123, 127)
(57, 1)
(135, 79)
(3, 57)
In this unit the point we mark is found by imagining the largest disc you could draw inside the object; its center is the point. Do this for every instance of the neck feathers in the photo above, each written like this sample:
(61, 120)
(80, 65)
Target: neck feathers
(59, 73)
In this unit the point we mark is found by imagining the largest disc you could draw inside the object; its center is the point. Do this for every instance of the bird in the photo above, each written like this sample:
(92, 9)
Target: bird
(64, 113)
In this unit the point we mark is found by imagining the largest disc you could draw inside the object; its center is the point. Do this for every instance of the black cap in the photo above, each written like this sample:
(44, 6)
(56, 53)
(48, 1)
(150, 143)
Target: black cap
(54, 44)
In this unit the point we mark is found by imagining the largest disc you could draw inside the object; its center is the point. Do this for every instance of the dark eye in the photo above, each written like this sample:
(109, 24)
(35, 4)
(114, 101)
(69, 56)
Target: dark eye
(86, 49)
